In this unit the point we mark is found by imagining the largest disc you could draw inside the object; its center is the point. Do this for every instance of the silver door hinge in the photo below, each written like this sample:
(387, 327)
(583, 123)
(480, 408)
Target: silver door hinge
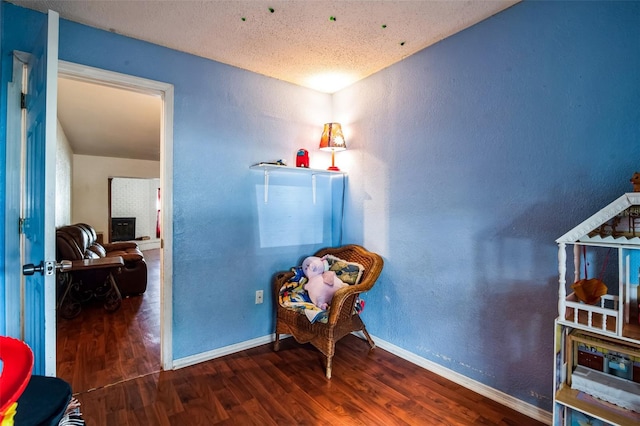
(21, 225)
(23, 101)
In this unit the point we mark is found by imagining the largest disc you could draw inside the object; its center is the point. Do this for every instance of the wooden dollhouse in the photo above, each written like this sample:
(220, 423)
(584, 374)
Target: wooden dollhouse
(597, 368)
(617, 227)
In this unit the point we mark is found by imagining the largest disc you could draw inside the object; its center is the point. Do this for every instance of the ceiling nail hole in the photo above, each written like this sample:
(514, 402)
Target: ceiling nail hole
(332, 18)
(271, 10)
(402, 43)
(384, 26)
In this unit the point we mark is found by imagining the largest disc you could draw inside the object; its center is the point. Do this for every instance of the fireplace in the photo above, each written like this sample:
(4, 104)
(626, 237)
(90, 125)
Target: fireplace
(123, 229)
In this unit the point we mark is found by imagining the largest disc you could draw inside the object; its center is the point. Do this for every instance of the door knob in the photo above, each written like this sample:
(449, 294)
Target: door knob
(48, 267)
(30, 268)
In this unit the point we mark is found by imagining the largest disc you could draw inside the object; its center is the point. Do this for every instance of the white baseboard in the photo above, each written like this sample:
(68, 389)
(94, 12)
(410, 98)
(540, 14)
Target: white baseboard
(480, 388)
(151, 244)
(217, 353)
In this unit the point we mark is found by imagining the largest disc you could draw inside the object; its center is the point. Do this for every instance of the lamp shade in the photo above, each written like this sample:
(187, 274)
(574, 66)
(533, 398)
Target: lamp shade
(332, 138)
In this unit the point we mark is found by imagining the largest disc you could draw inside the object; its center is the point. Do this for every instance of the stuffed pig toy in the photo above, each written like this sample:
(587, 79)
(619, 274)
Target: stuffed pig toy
(322, 283)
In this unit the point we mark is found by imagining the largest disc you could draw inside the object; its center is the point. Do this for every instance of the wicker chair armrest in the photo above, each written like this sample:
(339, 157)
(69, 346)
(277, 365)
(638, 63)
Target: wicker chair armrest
(279, 279)
(339, 299)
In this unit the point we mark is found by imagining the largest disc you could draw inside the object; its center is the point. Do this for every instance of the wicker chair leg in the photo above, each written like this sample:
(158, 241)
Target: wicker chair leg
(276, 343)
(369, 339)
(329, 362)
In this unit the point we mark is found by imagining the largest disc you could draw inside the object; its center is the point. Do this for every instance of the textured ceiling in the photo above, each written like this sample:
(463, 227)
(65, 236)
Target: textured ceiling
(323, 45)
(299, 41)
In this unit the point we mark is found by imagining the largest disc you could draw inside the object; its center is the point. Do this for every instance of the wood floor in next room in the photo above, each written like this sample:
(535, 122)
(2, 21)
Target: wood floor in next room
(98, 348)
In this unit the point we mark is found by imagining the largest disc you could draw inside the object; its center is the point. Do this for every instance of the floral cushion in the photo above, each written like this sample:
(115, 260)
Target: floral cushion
(294, 296)
(348, 272)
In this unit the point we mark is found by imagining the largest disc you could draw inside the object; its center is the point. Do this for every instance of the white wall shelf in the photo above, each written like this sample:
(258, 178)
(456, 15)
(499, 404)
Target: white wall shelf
(269, 168)
(304, 170)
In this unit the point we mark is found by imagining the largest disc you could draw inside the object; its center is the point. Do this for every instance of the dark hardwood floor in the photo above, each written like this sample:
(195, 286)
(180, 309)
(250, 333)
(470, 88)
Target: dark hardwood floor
(262, 387)
(98, 348)
(112, 362)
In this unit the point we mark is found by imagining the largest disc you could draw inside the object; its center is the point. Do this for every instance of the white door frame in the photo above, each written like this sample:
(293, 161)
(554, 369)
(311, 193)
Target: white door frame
(165, 92)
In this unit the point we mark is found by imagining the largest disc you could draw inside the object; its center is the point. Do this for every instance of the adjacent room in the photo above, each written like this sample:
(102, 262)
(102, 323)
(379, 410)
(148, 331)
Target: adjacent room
(107, 176)
(477, 138)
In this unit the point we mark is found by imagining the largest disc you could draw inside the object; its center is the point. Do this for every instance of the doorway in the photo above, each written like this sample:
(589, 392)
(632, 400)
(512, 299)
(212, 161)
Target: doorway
(101, 335)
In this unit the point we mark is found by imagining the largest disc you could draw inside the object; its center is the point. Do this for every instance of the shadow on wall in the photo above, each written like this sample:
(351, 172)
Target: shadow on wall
(517, 286)
(516, 332)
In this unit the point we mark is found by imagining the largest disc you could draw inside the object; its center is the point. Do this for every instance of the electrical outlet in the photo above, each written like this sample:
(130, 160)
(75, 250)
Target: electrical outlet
(259, 296)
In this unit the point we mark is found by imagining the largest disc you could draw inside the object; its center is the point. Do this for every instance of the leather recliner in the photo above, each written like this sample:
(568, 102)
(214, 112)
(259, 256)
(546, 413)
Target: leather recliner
(80, 241)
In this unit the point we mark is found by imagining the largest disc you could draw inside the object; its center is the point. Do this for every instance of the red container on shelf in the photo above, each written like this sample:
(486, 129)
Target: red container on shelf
(302, 158)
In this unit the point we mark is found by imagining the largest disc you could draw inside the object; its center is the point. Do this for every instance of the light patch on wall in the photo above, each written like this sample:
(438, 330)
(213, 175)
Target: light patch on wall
(330, 82)
(376, 204)
(287, 221)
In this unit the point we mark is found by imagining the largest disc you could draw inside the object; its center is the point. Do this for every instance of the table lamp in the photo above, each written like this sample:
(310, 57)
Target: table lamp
(332, 140)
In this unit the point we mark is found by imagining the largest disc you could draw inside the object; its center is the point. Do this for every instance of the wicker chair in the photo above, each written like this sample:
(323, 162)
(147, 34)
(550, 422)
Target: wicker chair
(342, 320)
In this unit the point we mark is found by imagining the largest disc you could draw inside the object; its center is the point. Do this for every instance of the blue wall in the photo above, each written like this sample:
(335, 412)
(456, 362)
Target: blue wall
(466, 161)
(469, 159)
(225, 119)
